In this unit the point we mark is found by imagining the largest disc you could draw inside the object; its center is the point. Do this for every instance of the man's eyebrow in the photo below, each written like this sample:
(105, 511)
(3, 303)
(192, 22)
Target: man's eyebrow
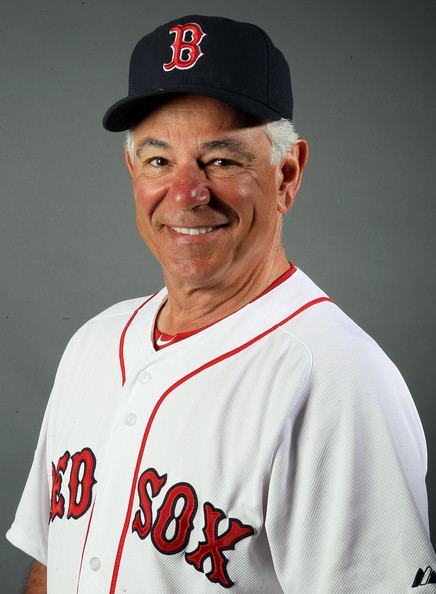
(231, 144)
(151, 141)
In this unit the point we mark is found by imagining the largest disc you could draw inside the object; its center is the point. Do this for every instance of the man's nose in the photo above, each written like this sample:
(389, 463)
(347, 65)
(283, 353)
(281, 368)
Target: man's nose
(189, 187)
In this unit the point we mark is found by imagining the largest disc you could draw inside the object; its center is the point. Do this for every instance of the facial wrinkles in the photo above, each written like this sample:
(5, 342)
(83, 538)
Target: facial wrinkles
(172, 145)
(177, 126)
(187, 138)
(150, 142)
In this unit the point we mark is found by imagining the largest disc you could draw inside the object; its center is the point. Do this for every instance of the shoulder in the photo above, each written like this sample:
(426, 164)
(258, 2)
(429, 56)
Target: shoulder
(123, 309)
(340, 347)
(353, 383)
(349, 371)
(347, 363)
(305, 315)
(326, 330)
(104, 328)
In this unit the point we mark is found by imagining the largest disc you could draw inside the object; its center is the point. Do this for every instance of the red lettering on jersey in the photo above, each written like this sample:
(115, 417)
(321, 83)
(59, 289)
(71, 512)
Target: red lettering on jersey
(214, 545)
(57, 506)
(81, 482)
(171, 531)
(156, 482)
(183, 522)
(186, 52)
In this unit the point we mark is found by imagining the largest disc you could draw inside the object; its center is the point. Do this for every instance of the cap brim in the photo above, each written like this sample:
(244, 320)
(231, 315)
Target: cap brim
(128, 112)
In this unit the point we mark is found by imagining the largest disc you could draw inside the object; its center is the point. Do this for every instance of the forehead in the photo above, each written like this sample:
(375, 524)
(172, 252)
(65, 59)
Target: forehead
(195, 115)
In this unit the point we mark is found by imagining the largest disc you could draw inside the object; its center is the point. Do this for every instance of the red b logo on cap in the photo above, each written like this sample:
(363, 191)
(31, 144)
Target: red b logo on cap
(185, 53)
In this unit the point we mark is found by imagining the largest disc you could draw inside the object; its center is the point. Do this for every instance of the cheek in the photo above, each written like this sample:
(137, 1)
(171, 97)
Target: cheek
(140, 191)
(239, 193)
(146, 195)
(143, 209)
(244, 191)
(251, 200)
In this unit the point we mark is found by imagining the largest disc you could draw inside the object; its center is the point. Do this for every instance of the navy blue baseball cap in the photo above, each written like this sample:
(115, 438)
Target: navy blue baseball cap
(228, 60)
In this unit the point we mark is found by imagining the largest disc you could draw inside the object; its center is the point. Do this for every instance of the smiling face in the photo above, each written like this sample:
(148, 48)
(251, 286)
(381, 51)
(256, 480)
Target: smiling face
(209, 203)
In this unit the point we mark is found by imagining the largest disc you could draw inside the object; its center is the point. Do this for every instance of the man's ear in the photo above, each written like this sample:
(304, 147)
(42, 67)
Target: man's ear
(128, 160)
(290, 175)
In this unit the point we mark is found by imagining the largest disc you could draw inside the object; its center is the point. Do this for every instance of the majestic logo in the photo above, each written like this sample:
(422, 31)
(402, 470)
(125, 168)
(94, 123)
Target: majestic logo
(80, 484)
(424, 577)
(186, 46)
(214, 544)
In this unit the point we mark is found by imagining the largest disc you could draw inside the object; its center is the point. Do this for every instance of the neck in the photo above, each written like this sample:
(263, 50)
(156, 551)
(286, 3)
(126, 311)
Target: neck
(189, 308)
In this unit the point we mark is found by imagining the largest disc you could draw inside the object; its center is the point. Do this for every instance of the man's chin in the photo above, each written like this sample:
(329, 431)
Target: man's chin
(195, 272)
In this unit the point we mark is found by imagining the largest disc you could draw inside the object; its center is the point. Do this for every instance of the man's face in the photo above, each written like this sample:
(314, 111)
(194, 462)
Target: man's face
(208, 199)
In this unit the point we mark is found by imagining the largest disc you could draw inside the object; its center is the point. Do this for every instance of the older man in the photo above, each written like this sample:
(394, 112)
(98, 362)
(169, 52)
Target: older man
(236, 429)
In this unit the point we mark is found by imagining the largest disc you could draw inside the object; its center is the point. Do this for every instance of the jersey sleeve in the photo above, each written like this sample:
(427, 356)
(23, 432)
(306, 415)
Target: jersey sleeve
(29, 531)
(347, 503)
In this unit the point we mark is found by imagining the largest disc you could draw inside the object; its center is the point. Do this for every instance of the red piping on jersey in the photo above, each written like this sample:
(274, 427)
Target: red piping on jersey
(123, 336)
(179, 382)
(84, 546)
(282, 278)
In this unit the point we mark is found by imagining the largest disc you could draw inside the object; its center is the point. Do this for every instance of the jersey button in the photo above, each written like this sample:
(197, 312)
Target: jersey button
(144, 377)
(130, 419)
(94, 563)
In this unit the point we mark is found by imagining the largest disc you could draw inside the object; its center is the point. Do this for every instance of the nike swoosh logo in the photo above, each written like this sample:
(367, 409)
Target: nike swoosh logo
(162, 342)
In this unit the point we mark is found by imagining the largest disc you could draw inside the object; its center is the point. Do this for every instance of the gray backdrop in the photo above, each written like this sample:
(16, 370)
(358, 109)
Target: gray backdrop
(363, 226)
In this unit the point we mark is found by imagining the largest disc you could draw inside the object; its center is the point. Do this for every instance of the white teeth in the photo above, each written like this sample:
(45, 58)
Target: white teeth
(192, 230)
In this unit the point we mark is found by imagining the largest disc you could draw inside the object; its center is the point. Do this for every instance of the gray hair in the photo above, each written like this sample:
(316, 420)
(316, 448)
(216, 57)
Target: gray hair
(281, 133)
(283, 136)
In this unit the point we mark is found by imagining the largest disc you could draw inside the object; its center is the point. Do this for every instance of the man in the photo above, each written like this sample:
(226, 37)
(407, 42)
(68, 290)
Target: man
(236, 430)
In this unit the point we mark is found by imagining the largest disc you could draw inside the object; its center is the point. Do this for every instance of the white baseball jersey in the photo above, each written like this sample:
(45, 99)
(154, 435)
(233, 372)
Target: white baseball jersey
(277, 450)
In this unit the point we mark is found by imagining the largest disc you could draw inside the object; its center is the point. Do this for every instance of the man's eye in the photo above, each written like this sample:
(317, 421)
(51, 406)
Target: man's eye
(220, 162)
(156, 161)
